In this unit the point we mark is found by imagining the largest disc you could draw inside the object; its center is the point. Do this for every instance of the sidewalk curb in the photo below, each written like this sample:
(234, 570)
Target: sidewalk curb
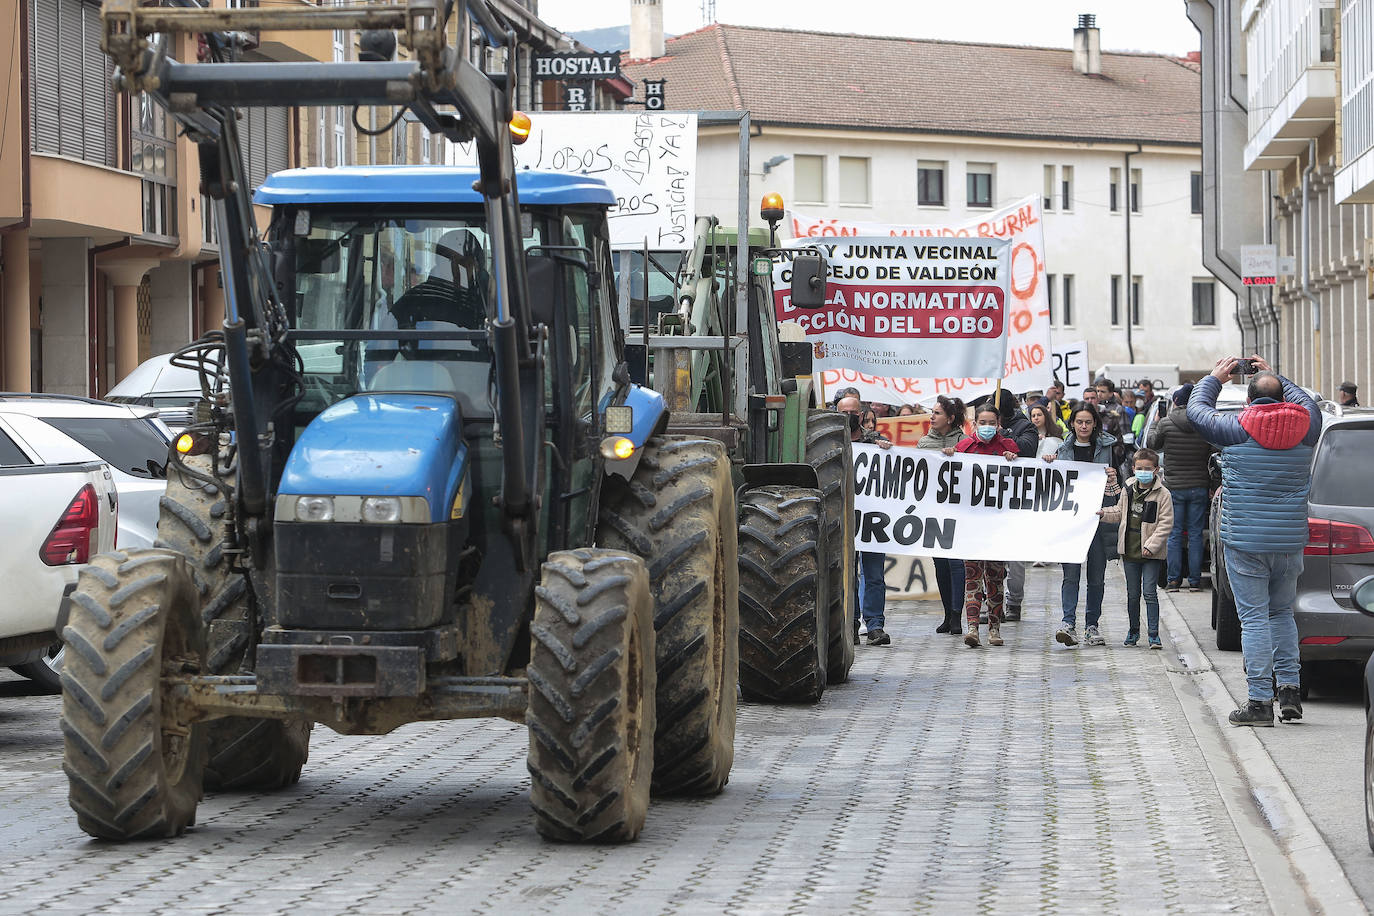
(1295, 866)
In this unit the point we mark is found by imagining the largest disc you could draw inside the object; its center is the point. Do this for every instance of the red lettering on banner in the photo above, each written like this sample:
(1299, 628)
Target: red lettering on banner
(905, 430)
(1029, 290)
(1021, 320)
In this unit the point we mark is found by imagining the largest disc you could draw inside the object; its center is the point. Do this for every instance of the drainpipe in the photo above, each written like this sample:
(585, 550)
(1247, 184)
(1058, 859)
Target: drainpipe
(1130, 304)
(1272, 334)
(1307, 293)
(26, 140)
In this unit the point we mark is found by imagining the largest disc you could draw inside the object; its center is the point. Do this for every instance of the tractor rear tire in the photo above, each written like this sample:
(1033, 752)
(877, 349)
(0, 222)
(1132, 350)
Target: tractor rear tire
(591, 708)
(784, 614)
(244, 752)
(828, 450)
(677, 512)
(133, 772)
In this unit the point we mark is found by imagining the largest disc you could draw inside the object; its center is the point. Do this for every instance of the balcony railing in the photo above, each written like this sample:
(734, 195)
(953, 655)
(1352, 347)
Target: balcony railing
(1284, 39)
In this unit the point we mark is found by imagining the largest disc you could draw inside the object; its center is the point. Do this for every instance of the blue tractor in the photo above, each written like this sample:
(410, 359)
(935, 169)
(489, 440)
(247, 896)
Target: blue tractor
(421, 484)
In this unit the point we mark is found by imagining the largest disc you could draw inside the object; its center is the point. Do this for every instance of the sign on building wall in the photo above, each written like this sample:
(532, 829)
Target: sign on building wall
(654, 99)
(577, 96)
(649, 161)
(1028, 359)
(1259, 265)
(559, 65)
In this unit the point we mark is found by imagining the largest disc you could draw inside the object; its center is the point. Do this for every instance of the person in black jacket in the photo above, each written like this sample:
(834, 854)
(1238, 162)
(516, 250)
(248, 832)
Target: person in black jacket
(1186, 473)
(1017, 427)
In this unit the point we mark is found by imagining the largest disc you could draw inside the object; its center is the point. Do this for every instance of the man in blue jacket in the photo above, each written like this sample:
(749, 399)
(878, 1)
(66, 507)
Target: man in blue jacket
(1266, 454)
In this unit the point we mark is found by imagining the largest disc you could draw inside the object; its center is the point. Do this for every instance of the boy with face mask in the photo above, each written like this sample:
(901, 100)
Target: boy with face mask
(1145, 512)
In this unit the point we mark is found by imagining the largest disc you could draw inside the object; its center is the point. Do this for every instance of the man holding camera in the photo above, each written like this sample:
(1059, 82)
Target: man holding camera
(1266, 453)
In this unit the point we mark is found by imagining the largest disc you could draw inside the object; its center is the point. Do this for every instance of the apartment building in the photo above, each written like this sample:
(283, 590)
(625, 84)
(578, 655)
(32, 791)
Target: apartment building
(107, 252)
(883, 130)
(1303, 179)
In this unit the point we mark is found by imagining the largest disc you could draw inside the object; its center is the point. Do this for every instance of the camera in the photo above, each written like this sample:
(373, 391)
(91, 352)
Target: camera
(1245, 367)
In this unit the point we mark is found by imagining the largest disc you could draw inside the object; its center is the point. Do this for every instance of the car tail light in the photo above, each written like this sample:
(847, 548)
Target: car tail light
(1322, 640)
(71, 538)
(1337, 539)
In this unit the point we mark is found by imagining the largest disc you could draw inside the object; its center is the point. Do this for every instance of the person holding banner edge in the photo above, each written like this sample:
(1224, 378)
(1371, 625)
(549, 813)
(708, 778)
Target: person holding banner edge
(947, 418)
(1089, 443)
(872, 592)
(984, 579)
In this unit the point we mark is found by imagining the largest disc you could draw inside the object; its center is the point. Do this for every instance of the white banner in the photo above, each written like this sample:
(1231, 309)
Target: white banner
(648, 159)
(974, 507)
(1070, 365)
(1027, 365)
(900, 307)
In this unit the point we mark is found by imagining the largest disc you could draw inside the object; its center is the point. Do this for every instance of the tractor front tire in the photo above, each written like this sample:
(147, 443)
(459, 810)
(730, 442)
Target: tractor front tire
(784, 614)
(244, 752)
(828, 450)
(133, 771)
(591, 699)
(677, 512)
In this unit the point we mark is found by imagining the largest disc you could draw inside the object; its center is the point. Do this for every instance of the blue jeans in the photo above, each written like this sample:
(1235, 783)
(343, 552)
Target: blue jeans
(1190, 513)
(1142, 575)
(1097, 572)
(872, 593)
(1265, 586)
(949, 576)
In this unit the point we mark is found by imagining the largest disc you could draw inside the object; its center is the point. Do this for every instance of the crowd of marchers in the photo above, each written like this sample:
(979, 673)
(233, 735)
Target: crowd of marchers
(1152, 515)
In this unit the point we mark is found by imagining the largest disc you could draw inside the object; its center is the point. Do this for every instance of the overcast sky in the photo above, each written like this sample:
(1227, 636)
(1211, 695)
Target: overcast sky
(1136, 25)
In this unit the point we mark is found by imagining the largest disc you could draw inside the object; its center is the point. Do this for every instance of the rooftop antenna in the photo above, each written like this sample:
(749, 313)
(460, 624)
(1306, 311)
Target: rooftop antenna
(708, 12)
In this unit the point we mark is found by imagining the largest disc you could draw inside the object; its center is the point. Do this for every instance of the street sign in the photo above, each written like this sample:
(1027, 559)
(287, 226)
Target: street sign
(1259, 265)
(569, 64)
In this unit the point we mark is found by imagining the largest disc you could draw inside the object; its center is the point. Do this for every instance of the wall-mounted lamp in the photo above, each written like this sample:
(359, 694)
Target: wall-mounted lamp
(774, 163)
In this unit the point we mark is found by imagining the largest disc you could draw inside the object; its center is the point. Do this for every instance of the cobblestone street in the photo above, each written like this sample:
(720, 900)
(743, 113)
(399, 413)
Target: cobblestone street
(940, 779)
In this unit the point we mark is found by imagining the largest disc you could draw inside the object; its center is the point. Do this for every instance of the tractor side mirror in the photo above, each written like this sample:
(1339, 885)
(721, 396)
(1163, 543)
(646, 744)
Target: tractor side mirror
(1363, 595)
(317, 256)
(808, 281)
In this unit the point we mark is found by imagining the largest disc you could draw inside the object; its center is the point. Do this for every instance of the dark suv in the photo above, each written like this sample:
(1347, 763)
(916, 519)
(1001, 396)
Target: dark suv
(1339, 551)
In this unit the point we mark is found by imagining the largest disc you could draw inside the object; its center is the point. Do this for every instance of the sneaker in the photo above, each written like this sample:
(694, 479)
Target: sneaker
(971, 637)
(1173, 585)
(1132, 638)
(1254, 712)
(879, 638)
(1013, 612)
(863, 629)
(1093, 637)
(1290, 703)
(1155, 643)
(1195, 587)
(1067, 635)
(995, 633)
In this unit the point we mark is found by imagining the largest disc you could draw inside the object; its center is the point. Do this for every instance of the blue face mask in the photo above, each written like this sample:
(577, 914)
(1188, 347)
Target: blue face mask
(1145, 478)
(986, 433)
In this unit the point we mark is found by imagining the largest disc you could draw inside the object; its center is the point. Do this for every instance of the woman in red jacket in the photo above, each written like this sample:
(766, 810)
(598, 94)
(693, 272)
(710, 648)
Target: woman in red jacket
(983, 579)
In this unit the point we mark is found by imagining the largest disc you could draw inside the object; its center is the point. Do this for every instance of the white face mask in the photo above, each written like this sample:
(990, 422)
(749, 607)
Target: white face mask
(1139, 402)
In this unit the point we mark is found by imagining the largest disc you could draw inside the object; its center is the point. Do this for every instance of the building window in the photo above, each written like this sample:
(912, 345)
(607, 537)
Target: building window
(1047, 198)
(808, 179)
(1066, 307)
(1195, 191)
(1204, 302)
(930, 184)
(980, 184)
(425, 145)
(1135, 190)
(1116, 300)
(340, 138)
(1135, 301)
(1066, 187)
(854, 180)
(1049, 294)
(1114, 191)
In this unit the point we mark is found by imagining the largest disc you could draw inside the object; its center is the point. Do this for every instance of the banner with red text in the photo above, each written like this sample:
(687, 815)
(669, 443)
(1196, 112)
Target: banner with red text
(902, 307)
(1028, 357)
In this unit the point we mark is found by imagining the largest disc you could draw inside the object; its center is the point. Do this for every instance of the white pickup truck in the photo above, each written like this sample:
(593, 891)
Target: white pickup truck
(53, 519)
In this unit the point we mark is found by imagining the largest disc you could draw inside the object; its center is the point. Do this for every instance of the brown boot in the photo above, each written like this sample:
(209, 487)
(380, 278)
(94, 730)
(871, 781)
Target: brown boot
(971, 634)
(994, 632)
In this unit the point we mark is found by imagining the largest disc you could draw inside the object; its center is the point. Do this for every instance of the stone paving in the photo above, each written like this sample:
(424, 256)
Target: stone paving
(941, 779)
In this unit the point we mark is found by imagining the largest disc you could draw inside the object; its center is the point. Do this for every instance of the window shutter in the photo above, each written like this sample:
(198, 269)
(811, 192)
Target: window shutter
(44, 74)
(255, 148)
(97, 96)
(71, 58)
(278, 139)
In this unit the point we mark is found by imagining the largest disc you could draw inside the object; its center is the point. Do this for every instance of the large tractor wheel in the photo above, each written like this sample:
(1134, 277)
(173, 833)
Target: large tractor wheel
(134, 772)
(678, 514)
(784, 614)
(828, 451)
(244, 752)
(591, 712)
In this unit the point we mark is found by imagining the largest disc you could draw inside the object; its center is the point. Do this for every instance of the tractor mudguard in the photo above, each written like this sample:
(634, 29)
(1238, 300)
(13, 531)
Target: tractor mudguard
(784, 475)
(648, 417)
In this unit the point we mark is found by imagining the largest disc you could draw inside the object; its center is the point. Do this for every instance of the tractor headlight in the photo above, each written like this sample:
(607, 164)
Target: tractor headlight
(381, 509)
(315, 509)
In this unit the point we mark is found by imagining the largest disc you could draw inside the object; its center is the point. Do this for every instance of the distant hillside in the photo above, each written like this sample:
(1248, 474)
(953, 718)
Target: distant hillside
(611, 38)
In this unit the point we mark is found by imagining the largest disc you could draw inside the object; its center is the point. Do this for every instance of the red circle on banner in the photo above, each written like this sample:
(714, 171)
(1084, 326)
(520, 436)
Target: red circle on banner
(1034, 276)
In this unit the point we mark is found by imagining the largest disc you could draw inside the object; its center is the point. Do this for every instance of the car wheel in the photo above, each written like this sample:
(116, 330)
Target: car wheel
(46, 671)
(1369, 778)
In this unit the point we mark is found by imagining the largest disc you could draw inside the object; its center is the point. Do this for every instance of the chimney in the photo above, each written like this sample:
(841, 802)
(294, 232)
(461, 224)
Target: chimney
(646, 29)
(1087, 46)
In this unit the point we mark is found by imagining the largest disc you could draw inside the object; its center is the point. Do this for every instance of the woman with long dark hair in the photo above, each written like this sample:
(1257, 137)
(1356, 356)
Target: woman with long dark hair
(947, 419)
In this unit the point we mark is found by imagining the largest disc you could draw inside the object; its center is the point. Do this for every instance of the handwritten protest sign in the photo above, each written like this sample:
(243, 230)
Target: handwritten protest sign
(899, 307)
(918, 502)
(1028, 344)
(910, 578)
(1071, 366)
(649, 160)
